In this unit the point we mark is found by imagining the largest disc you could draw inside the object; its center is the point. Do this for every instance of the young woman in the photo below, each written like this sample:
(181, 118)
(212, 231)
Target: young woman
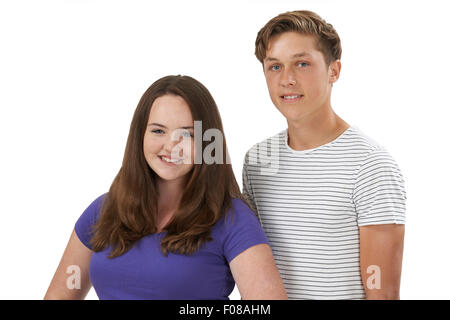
(170, 227)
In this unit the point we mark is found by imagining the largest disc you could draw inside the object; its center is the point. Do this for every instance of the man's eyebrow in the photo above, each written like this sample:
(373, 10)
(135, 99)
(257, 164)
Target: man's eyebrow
(297, 55)
(300, 55)
(270, 59)
(163, 126)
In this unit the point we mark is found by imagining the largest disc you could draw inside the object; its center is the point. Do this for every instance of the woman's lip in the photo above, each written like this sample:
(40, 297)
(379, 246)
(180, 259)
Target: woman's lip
(168, 163)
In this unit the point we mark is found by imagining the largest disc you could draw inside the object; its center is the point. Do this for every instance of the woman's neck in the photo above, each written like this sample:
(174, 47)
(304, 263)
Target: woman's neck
(170, 193)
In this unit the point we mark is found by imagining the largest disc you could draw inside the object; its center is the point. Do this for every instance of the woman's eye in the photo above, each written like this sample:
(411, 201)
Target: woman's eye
(157, 131)
(186, 134)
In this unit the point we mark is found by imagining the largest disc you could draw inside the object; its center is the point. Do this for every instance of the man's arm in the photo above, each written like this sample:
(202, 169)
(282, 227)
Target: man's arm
(246, 186)
(381, 253)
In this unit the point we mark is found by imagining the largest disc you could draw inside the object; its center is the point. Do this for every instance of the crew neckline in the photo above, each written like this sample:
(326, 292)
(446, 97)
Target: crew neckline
(316, 148)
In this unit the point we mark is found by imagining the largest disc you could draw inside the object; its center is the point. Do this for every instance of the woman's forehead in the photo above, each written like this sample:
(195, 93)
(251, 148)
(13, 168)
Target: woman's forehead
(171, 111)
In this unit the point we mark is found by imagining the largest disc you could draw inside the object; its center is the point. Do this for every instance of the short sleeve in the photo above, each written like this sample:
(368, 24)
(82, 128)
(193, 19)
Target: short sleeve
(84, 224)
(242, 230)
(379, 195)
(246, 186)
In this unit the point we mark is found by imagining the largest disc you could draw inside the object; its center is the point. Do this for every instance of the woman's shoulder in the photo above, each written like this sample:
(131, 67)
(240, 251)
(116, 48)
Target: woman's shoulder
(95, 206)
(100, 198)
(239, 229)
(241, 207)
(84, 224)
(238, 214)
(240, 204)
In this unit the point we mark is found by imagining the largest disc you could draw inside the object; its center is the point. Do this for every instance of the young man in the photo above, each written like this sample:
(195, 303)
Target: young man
(331, 200)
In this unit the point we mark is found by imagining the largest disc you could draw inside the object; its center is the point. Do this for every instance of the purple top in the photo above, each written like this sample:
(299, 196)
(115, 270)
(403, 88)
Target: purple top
(144, 272)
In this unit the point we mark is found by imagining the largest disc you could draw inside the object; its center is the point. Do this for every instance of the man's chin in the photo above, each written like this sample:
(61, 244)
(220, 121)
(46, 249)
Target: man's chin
(291, 114)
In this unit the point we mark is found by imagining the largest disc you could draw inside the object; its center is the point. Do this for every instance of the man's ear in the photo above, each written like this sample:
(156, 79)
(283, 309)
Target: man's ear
(334, 70)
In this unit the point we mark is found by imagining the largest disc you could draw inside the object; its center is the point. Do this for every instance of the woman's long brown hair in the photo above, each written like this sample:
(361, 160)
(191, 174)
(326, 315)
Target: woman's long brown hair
(129, 209)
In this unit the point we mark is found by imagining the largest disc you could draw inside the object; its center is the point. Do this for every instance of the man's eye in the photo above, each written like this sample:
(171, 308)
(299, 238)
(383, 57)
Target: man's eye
(275, 67)
(303, 64)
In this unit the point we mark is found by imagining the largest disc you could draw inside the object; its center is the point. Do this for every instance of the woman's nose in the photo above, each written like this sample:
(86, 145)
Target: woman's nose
(173, 145)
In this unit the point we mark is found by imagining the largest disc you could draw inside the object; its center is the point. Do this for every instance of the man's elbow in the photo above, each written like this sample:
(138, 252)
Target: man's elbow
(383, 295)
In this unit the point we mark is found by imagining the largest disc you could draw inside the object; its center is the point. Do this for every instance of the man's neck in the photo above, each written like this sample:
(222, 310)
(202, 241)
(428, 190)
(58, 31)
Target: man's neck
(315, 130)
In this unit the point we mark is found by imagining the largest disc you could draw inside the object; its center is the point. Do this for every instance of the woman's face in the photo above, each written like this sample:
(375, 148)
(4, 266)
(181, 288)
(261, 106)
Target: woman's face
(168, 140)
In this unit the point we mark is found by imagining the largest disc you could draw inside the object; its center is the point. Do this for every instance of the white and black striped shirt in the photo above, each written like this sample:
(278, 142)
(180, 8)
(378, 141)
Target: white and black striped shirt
(311, 204)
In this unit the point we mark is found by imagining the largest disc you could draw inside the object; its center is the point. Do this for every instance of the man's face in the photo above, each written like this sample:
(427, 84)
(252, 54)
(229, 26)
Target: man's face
(298, 79)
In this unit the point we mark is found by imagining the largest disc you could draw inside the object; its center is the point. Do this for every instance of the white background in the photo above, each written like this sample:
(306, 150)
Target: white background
(72, 73)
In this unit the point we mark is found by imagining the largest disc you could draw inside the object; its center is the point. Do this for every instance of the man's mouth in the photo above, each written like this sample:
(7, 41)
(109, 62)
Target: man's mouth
(291, 97)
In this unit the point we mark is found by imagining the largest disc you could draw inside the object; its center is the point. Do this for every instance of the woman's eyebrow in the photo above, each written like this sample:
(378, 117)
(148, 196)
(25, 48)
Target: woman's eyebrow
(163, 126)
(157, 124)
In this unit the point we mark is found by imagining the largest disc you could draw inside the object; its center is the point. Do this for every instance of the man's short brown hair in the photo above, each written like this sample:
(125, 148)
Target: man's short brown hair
(304, 22)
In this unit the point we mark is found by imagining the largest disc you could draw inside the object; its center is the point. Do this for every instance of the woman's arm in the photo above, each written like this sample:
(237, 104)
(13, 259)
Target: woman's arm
(71, 280)
(256, 274)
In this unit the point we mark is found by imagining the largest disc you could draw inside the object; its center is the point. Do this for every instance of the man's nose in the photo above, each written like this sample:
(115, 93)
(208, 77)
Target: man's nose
(288, 78)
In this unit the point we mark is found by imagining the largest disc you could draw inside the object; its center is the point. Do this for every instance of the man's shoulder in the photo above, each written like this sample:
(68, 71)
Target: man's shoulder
(271, 142)
(359, 136)
(367, 152)
(361, 142)
(352, 142)
(353, 137)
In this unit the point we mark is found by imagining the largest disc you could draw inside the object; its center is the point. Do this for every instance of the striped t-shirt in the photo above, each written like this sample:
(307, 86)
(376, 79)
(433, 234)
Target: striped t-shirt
(311, 204)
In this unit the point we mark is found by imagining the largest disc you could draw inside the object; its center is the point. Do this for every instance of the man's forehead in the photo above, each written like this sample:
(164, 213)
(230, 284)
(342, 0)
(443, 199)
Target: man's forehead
(291, 44)
(293, 56)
